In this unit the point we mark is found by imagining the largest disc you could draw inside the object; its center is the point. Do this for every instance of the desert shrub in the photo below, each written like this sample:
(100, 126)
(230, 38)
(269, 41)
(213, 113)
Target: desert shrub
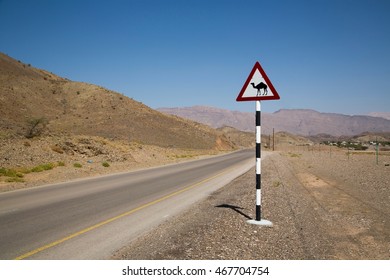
(77, 165)
(12, 173)
(105, 164)
(360, 147)
(24, 170)
(37, 169)
(276, 184)
(294, 155)
(4, 135)
(7, 172)
(35, 127)
(61, 163)
(14, 180)
(3, 171)
(48, 166)
(42, 167)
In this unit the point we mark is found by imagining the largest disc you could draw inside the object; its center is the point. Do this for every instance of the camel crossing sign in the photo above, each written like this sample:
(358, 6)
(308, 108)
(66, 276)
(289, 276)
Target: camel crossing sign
(257, 86)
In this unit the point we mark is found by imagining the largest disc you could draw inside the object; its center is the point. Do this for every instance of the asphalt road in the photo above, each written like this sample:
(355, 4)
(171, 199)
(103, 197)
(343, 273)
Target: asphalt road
(92, 218)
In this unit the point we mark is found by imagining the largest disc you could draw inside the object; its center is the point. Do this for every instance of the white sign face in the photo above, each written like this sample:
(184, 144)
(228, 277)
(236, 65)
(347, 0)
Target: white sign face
(257, 86)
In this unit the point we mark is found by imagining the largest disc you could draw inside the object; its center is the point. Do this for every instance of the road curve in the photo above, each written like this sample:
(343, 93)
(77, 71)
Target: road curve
(92, 218)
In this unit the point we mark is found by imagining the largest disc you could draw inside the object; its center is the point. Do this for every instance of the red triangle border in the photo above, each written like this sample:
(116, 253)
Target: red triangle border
(257, 66)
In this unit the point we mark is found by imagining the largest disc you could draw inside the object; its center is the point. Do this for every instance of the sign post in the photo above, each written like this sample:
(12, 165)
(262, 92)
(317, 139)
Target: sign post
(258, 87)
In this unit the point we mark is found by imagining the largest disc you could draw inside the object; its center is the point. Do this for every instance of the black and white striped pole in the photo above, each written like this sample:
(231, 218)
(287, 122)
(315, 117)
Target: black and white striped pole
(258, 220)
(256, 88)
(258, 161)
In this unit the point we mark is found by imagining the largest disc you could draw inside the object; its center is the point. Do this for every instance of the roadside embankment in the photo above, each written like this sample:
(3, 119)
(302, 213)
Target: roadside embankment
(32, 162)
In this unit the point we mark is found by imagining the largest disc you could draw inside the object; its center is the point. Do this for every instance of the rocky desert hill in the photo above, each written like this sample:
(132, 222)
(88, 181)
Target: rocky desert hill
(31, 96)
(239, 138)
(299, 122)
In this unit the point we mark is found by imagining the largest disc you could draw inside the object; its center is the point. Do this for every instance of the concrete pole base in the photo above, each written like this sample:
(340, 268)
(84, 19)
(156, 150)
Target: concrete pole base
(264, 223)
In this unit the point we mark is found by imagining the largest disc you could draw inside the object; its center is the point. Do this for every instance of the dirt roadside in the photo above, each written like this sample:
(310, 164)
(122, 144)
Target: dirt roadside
(322, 207)
(69, 158)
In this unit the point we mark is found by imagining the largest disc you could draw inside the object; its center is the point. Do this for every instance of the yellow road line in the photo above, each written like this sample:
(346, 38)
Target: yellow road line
(55, 243)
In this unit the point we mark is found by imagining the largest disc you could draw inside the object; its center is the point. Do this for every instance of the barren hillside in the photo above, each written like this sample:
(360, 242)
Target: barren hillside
(29, 95)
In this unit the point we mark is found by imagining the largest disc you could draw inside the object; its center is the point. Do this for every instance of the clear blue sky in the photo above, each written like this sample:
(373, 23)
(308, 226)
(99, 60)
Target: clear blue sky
(330, 56)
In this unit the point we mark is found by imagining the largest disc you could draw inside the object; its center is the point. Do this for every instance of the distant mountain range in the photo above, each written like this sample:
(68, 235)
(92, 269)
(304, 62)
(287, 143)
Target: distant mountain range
(297, 121)
(385, 115)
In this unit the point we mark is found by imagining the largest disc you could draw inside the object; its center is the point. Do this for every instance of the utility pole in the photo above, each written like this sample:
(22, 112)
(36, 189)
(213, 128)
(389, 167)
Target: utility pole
(273, 139)
(377, 150)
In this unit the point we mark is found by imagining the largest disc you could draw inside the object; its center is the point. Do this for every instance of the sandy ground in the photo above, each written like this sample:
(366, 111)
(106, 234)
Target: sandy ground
(323, 205)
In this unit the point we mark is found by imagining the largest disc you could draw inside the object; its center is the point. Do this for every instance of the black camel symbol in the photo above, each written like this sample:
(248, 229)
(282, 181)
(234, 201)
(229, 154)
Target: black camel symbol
(260, 86)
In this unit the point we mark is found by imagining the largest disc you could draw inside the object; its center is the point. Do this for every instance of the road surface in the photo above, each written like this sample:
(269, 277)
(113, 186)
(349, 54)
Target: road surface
(92, 218)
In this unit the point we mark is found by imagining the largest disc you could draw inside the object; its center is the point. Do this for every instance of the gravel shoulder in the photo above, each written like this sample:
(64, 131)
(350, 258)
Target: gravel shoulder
(322, 205)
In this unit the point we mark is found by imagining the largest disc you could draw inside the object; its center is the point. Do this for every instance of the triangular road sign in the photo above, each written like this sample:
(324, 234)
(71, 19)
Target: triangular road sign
(257, 86)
